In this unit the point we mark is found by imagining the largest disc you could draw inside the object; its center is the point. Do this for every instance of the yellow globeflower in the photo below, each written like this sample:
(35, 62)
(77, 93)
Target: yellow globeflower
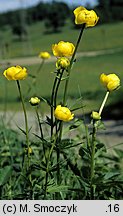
(95, 115)
(82, 15)
(63, 113)
(15, 73)
(44, 55)
(63, 49)
(111, 81)
(62, 63)
(34, 101)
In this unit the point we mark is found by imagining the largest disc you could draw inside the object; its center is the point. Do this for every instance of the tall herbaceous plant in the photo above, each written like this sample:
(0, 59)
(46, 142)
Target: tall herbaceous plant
(55, 165)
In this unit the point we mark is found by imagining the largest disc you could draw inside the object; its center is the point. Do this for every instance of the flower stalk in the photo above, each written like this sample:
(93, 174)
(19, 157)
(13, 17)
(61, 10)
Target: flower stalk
(40, 66)
(26, 127)
(41, 130)
(52, 101)
(92, 168)
(47, 167)
(71, 63)
(103, 103)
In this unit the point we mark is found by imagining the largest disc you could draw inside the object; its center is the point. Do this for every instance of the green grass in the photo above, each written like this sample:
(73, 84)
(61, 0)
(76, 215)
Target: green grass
(85, 73)
(84, 77)
(104, 36)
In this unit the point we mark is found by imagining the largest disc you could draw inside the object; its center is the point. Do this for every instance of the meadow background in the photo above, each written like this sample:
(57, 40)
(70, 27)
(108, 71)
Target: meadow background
(106, 36)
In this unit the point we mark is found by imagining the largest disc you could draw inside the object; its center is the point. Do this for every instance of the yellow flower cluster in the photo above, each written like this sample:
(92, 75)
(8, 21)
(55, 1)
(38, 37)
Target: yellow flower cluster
(15, 73)
(111, 81)
(63, 49)
(63, 113)
(82, 15)
(44, 55)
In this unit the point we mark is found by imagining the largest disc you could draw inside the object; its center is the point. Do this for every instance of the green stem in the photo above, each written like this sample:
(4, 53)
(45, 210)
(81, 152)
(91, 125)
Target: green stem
(35, 77)
(58, 140)
(93, 148)
(92, 161)
(87, 136)
(103, 103)
(40, 66)
(41, 130)
(26, 125)
(71, 63)
(57, 87)
(40, 126)
(5, 102)
(47, 168)
(52, 101)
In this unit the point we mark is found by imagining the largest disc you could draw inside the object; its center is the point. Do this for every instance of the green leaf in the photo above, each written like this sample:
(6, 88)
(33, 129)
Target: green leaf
(100, 125)
(54, 189)
(24, 132)
(48, 121)
(83, 151)
(119, 152)
(64, 78)
(100, 150)
(76, 124)
(46, 101)
(110, 175)
(32, 76)
(5, 174)
(66, 142)
(39, 137)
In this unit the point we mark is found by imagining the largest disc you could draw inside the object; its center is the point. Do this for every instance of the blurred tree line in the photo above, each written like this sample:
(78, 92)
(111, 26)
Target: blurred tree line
(54, 15)
(110, 10)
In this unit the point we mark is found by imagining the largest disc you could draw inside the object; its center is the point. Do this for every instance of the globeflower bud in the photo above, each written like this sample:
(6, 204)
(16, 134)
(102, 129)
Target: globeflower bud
(28, 150)
(63, 49)
(15, 73)
(44, 55)
(62, 63)
(63, 113)
(111, 81)
(82, 15)
(34, 101)
(95, 116)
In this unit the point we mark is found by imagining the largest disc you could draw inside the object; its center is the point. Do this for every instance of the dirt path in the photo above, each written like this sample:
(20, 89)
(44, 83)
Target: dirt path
(111, 136)
(35, 60)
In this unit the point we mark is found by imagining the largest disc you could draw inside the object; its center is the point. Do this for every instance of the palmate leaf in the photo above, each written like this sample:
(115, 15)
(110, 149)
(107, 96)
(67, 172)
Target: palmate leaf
(66, 143)
(5, 173)
(76, 124)
(83, 151)
(110, 175)
(100, 149)
(73, 167)
(69, 143)
(41, 166)
(119, 153)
